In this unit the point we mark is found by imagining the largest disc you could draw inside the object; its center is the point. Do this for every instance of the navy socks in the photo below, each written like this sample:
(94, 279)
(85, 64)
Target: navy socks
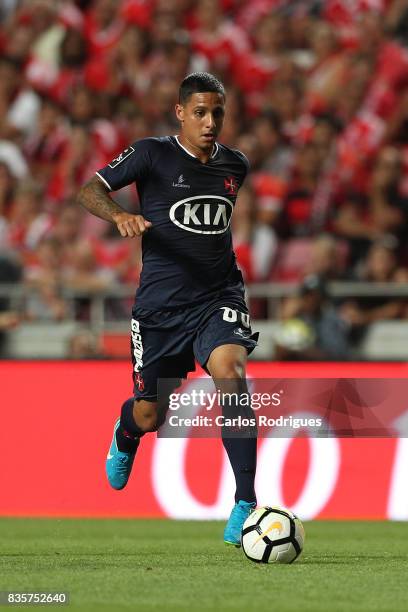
(240, 442)
(128, 433)
(242, 455)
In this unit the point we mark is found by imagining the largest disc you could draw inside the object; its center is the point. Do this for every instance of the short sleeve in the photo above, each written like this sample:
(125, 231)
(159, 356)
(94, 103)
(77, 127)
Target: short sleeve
(131, 165)
(245, 162)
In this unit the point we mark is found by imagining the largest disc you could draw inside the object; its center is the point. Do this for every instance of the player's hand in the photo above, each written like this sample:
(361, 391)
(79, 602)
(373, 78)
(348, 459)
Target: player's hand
(131, 225)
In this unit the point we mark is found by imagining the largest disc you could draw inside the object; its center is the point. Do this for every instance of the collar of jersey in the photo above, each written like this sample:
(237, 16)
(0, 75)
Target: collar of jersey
(192, 154)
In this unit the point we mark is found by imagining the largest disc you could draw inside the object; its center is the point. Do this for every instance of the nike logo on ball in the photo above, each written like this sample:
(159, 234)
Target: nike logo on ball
(276, 525)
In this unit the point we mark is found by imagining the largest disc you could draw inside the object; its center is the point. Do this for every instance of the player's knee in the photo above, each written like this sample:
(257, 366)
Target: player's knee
(234, 369)
(146, 418)
(151, 424)
(147, 422)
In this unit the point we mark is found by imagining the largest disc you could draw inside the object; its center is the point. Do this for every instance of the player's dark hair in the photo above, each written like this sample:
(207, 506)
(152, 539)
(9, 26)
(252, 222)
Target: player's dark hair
(199, 82)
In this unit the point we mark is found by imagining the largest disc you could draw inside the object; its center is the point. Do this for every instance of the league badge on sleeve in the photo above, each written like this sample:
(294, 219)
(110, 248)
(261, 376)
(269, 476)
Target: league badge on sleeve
(120, 158)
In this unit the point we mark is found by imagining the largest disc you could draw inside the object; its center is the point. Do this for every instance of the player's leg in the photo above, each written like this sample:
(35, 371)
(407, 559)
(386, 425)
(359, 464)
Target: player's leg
(137, 418)
(157, 353)
(122, 451)
(137, 415)
(222, 344)
(227, 365)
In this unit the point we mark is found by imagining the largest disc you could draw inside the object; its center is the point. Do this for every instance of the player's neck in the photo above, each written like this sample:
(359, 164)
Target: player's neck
(202, 155)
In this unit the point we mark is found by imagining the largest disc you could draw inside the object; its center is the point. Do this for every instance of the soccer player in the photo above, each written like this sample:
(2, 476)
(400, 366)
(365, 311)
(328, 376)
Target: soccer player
(190, 302)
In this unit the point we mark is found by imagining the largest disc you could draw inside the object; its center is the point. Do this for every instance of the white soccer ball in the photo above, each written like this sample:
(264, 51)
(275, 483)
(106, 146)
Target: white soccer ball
(272, 535)
(295, 335)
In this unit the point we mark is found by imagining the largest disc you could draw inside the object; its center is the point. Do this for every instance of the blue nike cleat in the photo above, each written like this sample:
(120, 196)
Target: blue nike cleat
(118, 464)
(238, 516)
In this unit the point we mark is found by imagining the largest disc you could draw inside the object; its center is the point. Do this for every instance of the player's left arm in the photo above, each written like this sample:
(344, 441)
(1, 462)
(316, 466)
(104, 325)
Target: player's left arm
(245, 165)
(241, 167)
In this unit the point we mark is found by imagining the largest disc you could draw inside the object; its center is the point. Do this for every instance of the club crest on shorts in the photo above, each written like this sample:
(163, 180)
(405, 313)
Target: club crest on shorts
(243, 333)
(139, 382)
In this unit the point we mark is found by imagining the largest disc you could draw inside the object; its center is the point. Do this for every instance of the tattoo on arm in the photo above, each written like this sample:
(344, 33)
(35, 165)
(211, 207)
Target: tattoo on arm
(95, 197)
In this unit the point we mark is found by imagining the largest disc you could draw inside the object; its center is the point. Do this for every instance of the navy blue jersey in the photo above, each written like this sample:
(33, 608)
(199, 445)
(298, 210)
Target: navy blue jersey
(187, 253)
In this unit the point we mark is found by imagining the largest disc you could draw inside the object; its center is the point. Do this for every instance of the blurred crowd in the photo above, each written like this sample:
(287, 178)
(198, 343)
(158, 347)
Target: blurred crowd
(317, 98)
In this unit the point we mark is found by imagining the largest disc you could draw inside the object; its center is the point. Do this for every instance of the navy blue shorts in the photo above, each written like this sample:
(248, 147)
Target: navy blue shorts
(165, 344)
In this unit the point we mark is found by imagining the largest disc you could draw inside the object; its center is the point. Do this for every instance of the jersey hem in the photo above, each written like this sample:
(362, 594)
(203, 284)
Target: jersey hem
(218, 293)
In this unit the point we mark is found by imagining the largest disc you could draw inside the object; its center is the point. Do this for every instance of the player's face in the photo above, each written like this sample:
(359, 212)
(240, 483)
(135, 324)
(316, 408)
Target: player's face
(202, 117)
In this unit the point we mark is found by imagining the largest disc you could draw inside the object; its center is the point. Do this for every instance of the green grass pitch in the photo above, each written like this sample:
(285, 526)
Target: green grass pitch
(116, 565)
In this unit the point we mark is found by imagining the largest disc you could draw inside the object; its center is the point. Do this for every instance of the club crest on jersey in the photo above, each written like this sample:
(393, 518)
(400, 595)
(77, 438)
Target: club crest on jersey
(230, 185)
(206, 214)
(120, 158)
(180, 183)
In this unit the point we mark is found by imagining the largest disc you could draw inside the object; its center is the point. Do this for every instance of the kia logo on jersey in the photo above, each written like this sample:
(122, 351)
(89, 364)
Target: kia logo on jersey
(206, 214)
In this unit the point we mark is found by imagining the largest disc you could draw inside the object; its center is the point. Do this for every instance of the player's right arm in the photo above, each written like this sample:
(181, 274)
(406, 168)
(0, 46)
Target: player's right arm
(133, 164)
(94, 196)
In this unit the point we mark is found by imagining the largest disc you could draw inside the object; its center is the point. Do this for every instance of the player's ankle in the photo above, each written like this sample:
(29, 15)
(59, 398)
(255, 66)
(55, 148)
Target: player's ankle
(127, 420)
(126, 443)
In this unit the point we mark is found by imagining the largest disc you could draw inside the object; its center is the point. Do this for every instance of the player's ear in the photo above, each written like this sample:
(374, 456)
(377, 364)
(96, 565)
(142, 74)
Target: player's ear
(180, 112)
